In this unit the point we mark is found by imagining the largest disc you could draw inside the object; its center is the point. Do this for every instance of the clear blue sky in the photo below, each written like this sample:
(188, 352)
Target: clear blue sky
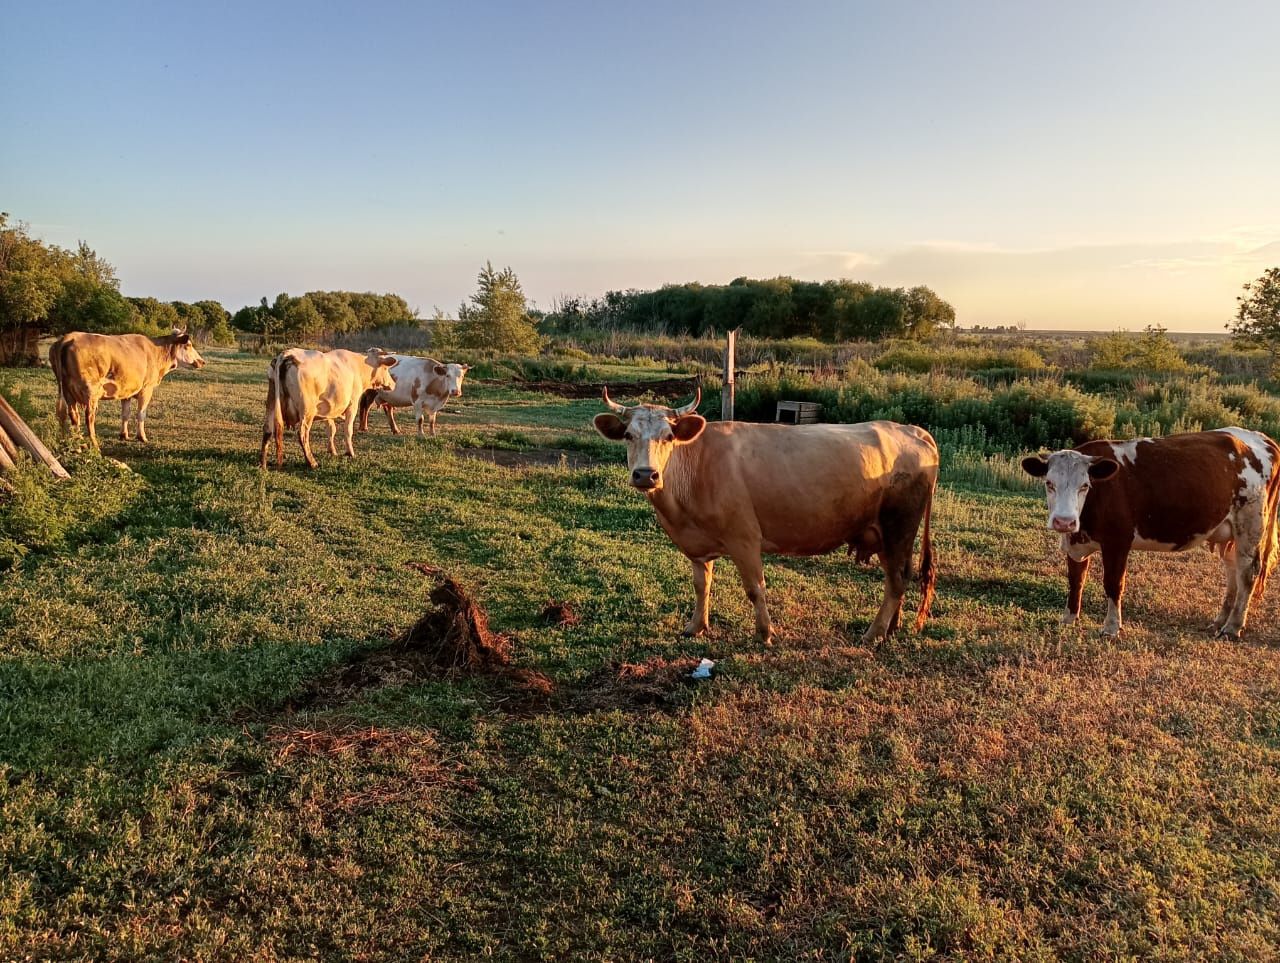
(1081, 164)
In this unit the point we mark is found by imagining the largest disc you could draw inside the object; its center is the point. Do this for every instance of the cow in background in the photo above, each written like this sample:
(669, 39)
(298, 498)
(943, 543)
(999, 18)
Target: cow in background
(90, 367)
(1220, 489)
(305, 385)
(739, 489)
(421, 383)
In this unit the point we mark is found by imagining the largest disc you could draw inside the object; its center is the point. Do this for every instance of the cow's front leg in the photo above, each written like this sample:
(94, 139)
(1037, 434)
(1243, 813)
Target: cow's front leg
(1115, 563)
(751, 570)
(1077, 575)
(391, 419)
(124, 418)
(333, 436)
(432, 419)
(896, 560)
(417, 413)
(702, 575)
(144, 404)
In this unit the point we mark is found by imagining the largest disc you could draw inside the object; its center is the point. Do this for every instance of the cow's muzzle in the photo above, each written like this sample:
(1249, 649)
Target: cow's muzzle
(1064, 525)
(646, 479)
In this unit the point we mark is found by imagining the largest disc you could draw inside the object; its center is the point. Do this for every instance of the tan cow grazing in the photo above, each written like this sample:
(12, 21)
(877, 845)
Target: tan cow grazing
(738, 490)
(90, 367)
(305, 385)
(1218, 488)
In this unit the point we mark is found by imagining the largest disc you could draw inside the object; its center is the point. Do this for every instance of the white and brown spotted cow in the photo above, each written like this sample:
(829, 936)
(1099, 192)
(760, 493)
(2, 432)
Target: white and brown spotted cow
(1218, 488)
(423, 384)
(738, 489)
(305, 385)
(89, 367)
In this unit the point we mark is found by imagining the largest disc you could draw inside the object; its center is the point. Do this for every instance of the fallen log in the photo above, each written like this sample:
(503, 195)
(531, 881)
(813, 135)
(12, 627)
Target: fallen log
(20, 435)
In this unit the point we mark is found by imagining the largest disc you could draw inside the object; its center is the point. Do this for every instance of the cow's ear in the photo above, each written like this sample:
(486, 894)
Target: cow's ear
(441, 370)
(688, 427)
(1102, 469)
(389, 360)
(466, 367)
(1035, 465)
(182, 339)
(610, 426)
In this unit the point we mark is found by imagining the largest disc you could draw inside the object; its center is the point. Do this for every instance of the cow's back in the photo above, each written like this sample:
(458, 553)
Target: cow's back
(1173, 490)
(325, 384)
(120, 363)
(808, 488)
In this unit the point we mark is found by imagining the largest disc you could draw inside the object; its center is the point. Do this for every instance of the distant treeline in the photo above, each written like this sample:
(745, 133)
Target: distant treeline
(779, 307)
(322, 315)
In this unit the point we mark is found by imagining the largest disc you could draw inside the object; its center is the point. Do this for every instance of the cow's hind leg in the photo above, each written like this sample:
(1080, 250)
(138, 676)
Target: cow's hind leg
(144, 405)
(91, 419)
(350, 434)
(702, 575)
(895, 558)
(333, 436)
(391, 419)
(124, 418)
(304, 439)
(751, 570)
(1231, 583)
(1248, 525)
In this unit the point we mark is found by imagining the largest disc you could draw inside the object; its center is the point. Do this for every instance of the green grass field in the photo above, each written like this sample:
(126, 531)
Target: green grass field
(996, 787)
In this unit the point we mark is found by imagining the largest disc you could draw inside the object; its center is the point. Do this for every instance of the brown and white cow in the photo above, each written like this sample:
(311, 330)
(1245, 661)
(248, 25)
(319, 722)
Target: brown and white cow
(305, 385)
(90, 367)
(1217, 488)
(739, 490)
(423, 384)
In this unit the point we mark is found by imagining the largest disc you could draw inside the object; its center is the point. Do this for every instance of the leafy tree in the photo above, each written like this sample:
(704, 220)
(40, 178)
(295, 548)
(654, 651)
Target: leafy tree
(155, 318)
(217, 322)
(1257, 321)
(498, 315)
(30, 282)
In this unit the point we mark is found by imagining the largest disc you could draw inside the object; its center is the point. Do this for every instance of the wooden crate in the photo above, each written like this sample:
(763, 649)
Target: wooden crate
(798, 412)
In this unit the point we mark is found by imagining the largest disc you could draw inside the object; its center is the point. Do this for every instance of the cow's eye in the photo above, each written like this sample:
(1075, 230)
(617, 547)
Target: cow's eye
(1049, 485)
(1084, 488)
(668, 437)
(629, 436)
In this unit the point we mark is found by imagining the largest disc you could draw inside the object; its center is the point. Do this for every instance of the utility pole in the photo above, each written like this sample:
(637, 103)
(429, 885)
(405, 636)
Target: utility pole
(726, 393)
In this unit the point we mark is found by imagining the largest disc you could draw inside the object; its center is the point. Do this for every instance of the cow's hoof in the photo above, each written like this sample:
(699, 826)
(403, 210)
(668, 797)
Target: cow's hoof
(1228, 635)
(1106, 633)
(694, 631)
(1068, 618)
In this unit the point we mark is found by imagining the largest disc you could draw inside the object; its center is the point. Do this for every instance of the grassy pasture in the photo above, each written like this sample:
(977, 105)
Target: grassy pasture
(996, 787)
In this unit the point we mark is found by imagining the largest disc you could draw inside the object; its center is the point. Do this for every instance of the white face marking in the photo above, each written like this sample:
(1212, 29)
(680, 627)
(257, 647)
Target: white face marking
(454, 373)
(1066, 484)
(649, 444)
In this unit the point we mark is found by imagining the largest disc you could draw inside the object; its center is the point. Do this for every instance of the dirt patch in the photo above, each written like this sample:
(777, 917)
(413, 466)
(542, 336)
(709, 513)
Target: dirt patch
(451, 639)
(398, 766)
(657, 683)
(530, 457)
(559, 613)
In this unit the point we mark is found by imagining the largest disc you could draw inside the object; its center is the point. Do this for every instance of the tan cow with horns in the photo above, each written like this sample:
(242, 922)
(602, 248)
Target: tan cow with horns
(739, 490)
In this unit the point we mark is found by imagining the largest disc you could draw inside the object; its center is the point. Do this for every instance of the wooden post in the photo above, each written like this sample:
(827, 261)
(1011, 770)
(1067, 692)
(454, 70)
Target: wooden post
(7, 447)
(726, 393)
(21, 435)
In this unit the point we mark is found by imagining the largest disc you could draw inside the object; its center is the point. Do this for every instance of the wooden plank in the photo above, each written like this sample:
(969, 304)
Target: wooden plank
(23, 436)
(7, 446)
(729, 388)
(6, 462)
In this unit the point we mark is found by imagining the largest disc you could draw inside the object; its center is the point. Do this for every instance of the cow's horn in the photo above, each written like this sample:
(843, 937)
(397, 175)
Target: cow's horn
(613, 405)
(691, 406)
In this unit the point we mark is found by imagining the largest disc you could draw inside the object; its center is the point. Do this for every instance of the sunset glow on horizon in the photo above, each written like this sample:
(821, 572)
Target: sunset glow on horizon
(1098, 166)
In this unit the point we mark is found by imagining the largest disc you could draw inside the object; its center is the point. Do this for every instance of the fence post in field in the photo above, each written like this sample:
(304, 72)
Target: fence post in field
(19, 435)
(726, 392)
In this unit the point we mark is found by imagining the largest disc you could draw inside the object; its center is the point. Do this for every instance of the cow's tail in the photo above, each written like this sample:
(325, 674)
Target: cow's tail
(1269, 547)
(56, 362)
(273, 425)
(928, 571)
